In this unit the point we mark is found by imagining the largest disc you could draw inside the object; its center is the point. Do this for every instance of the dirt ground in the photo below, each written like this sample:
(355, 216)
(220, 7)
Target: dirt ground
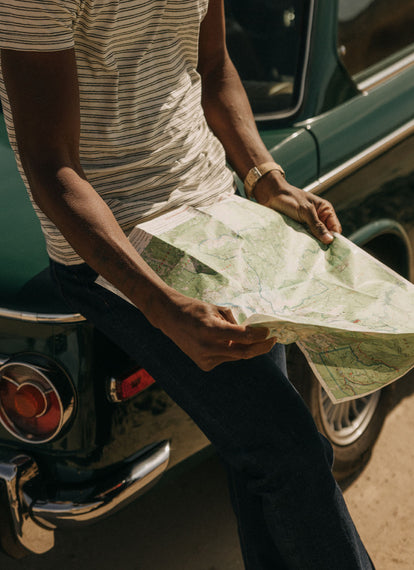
(186, 523)
(381, 499)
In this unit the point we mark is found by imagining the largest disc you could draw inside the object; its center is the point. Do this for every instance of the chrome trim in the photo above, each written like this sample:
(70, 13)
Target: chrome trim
(295, 109)
(47, 318)
(359, 160)
(112, 391)
(34, 521)
(112, 385)
(16, 472)
(16, 384)
(119, 489)
(346, 422)
(386, 73)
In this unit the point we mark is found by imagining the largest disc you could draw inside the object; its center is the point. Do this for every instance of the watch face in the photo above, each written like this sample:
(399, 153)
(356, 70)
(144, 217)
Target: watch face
(252, 177)
(256, 173)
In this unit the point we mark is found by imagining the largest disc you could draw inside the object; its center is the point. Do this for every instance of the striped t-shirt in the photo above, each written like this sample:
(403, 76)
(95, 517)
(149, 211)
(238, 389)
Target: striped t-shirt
(145, 144)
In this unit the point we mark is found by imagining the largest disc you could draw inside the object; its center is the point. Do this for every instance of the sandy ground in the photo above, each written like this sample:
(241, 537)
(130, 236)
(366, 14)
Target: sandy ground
(381, 499)
(185, 522)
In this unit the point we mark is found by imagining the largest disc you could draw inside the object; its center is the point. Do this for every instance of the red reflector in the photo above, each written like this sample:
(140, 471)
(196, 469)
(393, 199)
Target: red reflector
(133, 384)
(29, 401)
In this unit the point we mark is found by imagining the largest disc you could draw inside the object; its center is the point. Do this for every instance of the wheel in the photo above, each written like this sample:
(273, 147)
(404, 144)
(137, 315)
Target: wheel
(352, 427)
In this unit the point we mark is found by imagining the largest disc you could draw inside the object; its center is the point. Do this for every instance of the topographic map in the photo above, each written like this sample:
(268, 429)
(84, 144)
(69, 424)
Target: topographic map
(349, 314)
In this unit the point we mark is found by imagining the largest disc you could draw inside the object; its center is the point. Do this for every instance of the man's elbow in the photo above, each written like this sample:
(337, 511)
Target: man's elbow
(47, 170)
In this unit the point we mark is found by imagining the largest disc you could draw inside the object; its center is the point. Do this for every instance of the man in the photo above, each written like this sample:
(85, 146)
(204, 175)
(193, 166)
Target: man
(111, 106)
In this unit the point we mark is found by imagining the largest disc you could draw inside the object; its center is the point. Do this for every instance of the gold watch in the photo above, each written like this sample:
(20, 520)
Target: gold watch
(256, 173)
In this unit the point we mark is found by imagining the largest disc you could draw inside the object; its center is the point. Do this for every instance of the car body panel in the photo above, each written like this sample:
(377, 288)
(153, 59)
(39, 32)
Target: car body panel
(296, 150)
(363, 120)
(23, 253)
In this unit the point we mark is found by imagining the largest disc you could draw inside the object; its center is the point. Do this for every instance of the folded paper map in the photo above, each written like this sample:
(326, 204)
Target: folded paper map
(350, 315)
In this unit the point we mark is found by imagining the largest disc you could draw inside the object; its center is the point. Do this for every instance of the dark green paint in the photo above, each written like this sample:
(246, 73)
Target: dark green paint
(23, 252)
(362, 121)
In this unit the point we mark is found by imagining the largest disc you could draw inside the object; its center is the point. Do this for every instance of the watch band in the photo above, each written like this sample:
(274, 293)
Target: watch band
(256, 173)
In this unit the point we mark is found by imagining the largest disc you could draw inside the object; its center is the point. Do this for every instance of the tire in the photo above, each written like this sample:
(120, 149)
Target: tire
(351, 427)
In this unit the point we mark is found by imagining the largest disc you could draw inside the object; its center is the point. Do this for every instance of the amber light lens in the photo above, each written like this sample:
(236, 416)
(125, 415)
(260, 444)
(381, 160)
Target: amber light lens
(30, 406)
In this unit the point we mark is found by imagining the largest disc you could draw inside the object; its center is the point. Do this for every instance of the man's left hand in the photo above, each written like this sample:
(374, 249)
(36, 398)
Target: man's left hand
(317, 213)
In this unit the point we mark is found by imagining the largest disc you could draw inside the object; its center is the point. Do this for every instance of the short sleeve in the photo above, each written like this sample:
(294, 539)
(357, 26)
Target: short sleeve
(37, 25)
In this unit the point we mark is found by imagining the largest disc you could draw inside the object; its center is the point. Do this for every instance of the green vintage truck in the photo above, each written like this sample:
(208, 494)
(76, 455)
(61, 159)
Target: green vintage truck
(83, 430)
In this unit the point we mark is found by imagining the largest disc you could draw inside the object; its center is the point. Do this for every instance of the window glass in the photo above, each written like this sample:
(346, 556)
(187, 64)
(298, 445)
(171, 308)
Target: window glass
(372, 31)
(266, 40)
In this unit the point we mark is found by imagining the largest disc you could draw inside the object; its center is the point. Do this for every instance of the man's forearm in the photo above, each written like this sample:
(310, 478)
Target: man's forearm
(230, 117)
(87, 223)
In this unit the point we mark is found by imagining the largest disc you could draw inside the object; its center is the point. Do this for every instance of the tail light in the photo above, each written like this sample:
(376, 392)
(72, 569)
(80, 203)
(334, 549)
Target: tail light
(36, 399)
(121, 389)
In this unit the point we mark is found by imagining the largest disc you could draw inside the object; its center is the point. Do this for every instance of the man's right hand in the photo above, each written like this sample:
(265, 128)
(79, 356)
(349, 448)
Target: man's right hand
(209, 334)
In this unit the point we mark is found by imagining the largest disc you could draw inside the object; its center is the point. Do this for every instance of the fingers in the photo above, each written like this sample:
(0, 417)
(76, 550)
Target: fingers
(237, 333)
(321, 219)
(239, 351)
(227, 315)
(327, 214)
(310, 216)
(241, 334)
(227, 341)
(302, 206)
(235, 351)
(209, 334)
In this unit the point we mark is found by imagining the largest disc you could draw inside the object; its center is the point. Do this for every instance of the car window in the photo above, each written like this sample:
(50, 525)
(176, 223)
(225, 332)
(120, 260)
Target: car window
(373, 33)
(266, 40)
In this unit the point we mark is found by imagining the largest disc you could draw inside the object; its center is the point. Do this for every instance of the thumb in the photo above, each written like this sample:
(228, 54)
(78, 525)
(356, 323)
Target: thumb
(318, 228)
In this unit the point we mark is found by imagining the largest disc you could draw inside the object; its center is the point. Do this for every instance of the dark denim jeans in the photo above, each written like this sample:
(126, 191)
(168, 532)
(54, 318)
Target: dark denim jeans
(290, 511)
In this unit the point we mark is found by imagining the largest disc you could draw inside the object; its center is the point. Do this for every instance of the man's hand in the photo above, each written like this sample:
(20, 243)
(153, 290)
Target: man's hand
(318, 214)
(208, 334)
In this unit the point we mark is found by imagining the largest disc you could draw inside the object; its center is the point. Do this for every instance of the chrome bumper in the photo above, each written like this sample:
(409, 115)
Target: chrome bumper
(34, 520)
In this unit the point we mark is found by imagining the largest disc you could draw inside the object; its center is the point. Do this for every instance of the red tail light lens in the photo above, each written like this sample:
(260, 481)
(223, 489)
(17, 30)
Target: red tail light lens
(30, 401)
(34, 404)
(121, 389)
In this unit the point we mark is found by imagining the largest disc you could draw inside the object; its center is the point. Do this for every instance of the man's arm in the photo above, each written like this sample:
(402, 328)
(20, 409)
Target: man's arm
(44, 97)
(229, 115)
